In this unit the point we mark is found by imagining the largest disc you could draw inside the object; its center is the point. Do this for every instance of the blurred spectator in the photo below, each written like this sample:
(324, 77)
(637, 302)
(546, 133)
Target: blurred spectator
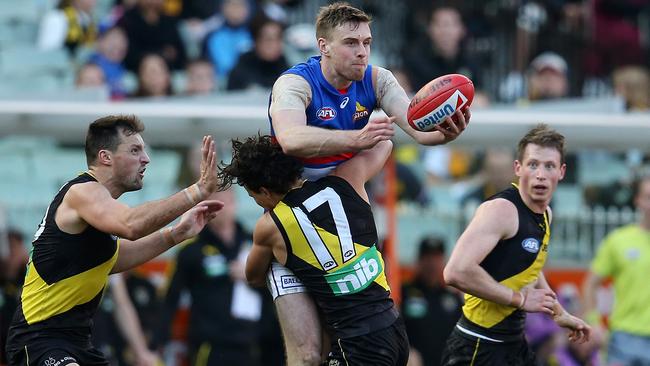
(153, 77)
(633, 84)
(443, 163)
(545, 339)
(543, 336)
(262, 65)
(116, 13)
(90, 75)
(299, 42)
(200, 77)
(151, 31)
(71, 25)
(430, 309)
(547, 77)
(441, 52)
(277, 9)
(13, 264)
(14, 267)
(118, 331)
(231, 39)
(624, 256)
(199, 9)
(224, 324)
(616, 36)
(497, 174)
(112, 46)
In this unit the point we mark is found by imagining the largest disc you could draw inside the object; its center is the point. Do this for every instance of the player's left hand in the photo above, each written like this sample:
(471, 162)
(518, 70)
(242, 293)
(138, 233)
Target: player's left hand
(451, 129)
(579, 331)
(193, 221)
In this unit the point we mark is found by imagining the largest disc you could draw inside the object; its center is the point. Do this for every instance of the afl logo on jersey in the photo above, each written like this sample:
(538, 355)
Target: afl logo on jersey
(326, 113)
(530, 245)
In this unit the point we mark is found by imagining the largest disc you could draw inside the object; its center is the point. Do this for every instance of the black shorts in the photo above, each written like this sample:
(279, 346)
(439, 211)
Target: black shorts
(384, 347)
(56, 352)
(214, 354)
(462, 349)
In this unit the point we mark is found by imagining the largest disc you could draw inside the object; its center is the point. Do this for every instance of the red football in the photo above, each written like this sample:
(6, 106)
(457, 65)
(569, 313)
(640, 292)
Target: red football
(441, 97)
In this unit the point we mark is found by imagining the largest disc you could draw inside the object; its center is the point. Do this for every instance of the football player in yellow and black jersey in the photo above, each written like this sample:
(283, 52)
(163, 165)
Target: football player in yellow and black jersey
(324, 232)
(498, 260)
(86, 234)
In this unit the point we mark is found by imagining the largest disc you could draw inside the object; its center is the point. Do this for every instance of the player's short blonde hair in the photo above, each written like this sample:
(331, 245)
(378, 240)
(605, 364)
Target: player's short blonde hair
(544, 136)
(336, 14)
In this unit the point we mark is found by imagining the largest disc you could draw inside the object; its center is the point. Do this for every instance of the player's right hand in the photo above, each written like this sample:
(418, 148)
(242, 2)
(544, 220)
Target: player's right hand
(207, 182)
(539, 300)
(377, 129)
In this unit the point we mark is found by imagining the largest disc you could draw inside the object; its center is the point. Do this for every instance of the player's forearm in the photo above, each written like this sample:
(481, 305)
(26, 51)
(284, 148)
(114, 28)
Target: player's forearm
(309, 141)
(474, 280)
(396, 106)
(145, 219)
(134, 253)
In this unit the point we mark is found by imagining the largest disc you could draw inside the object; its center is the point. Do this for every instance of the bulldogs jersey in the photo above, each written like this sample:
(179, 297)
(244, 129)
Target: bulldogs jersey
(333, 109)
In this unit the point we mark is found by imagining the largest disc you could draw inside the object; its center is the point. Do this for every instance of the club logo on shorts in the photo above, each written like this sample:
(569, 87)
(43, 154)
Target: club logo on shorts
(326, 113)
(530, 245)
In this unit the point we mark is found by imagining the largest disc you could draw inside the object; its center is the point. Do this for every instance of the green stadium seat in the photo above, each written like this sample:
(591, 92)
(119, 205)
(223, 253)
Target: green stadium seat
(28, 61)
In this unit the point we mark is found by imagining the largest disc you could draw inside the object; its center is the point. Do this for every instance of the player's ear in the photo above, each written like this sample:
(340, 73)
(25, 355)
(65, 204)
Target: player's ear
(323, 47)
(104, 157)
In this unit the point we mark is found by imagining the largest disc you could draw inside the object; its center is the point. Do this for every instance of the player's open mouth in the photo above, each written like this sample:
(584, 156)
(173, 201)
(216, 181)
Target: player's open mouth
(540, 188)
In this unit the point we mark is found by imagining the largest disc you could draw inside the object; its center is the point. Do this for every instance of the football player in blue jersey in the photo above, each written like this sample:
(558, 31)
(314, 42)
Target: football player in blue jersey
(320, 111)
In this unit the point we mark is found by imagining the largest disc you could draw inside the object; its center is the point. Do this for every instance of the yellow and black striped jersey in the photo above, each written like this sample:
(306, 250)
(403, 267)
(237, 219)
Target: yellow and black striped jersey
(65, 279)
(331, 241)
(515, 263)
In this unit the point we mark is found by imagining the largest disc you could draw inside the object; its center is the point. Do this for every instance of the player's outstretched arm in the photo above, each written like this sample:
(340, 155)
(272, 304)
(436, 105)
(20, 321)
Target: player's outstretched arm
(261, 254)
(134, 253)
(494, 220)
(92, 203)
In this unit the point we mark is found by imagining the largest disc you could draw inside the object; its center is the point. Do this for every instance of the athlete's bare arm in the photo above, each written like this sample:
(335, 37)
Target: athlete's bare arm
(134, 253)
(392, 98)
(92, 204)
(265, 238)
(363, 166)
(494, 220)
(290, 97)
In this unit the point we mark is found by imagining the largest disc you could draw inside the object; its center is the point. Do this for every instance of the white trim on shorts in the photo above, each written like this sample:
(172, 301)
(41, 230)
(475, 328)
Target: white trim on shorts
(281, 281)
(467, 331)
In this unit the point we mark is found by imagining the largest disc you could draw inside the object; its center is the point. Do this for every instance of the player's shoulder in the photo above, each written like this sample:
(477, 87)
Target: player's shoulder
(498, 205)
(289, 81)
(85, 188)
(265, 229)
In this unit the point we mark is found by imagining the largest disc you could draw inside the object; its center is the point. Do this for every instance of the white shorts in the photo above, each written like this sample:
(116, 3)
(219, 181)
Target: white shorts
(281, 281)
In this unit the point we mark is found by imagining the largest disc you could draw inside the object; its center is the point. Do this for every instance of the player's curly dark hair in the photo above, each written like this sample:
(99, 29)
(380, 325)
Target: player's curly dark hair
(259, 162)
